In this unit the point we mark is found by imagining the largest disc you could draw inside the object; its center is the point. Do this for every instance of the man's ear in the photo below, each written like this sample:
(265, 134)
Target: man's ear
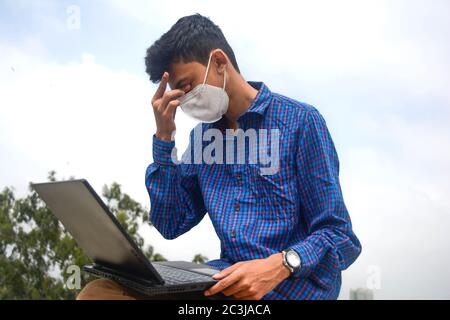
(220, 60)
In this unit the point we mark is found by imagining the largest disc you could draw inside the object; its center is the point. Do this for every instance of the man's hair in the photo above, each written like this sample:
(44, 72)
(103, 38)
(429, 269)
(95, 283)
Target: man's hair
(192, 38)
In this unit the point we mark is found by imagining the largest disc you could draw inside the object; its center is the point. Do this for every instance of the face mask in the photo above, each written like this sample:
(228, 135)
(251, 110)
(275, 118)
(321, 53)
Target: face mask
(205, 102)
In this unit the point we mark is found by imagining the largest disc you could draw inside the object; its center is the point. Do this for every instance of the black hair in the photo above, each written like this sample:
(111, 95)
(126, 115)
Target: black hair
(190, 39)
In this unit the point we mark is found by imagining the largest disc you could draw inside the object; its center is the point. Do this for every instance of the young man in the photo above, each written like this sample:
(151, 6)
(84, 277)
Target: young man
(285, 232)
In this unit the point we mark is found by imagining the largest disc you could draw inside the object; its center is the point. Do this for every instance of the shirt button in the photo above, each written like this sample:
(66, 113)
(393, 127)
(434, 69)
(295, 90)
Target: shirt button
(233, 233)
(236, 207)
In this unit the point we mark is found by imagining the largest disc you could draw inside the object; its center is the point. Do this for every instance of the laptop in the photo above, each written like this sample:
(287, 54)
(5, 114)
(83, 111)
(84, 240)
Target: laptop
(114, 253)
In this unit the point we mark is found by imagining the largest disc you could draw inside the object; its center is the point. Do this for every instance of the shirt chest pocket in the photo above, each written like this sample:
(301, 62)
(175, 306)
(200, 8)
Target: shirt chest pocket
(275, 193)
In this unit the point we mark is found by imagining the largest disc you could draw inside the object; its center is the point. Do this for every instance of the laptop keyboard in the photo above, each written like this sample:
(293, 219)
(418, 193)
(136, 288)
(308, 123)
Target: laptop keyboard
(178, 276)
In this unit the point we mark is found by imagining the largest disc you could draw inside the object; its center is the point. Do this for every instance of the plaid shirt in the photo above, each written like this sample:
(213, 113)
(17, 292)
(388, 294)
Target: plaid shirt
(300, 207)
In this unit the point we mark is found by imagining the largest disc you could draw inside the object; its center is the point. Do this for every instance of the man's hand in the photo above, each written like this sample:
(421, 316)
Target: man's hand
(164, 107)
(250, 280)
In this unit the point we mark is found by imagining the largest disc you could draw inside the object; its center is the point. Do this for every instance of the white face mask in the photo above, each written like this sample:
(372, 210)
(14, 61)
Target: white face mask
(205, 102)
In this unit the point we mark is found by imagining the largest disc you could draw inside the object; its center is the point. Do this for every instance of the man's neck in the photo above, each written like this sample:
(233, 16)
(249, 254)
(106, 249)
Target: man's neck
(241, 99)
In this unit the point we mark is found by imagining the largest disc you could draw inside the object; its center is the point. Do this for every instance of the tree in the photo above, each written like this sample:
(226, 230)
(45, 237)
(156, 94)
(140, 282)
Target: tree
(198, 258)
(36, 251)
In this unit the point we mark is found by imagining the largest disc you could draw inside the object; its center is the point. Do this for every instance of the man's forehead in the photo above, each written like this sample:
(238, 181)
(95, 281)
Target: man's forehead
(180, 70)
(176, 70)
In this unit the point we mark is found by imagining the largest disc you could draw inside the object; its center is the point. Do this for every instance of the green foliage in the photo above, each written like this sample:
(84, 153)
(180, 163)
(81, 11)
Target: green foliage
(36, 251)
(198, 258)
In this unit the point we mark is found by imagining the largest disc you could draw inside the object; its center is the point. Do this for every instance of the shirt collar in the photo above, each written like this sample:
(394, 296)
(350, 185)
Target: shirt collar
(262, 99)
(259, 104)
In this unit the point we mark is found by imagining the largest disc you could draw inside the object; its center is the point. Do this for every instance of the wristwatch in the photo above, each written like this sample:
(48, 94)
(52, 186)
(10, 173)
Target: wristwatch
(291, 260)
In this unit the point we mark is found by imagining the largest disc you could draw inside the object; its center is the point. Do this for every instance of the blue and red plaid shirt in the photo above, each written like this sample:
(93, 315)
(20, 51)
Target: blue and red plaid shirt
(254, 215)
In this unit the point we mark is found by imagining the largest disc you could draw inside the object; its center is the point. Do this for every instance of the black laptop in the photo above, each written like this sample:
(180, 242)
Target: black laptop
(115, 255)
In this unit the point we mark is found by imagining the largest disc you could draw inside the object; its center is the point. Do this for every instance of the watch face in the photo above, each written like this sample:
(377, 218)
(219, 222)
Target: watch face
(293, 259)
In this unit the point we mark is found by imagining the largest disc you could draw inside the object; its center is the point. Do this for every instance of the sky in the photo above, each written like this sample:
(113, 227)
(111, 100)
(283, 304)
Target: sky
(74, 98)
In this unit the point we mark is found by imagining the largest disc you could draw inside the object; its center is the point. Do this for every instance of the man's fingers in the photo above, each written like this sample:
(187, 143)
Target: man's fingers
(171, 106)
(169, 96)
(245, 297)
(223, 284)
(162, 87)
(237, 287)
(224, 273)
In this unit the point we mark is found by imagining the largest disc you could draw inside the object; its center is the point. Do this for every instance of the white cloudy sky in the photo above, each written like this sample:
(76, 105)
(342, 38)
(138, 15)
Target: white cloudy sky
(78, 101)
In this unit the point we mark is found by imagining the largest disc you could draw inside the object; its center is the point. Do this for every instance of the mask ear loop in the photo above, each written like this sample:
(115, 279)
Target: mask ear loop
(224, 79)
(207, 69)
